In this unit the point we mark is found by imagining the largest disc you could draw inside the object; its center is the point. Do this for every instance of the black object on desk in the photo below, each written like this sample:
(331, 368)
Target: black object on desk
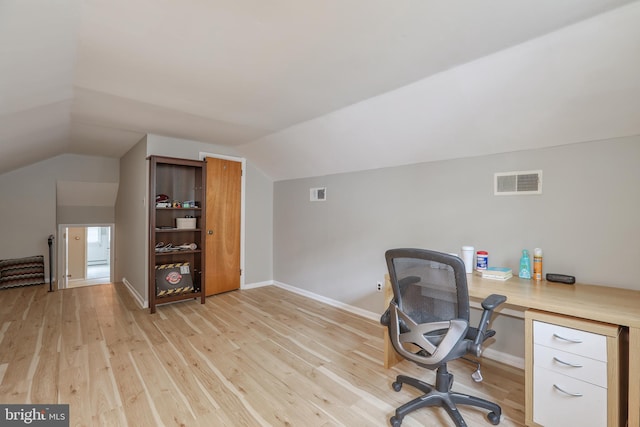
(561, 278)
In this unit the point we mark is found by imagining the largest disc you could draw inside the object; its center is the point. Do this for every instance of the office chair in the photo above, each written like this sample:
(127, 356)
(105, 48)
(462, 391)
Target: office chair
(428, 321)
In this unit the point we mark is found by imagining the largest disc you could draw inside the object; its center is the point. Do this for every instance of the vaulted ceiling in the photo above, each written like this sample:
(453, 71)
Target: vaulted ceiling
(306, 88)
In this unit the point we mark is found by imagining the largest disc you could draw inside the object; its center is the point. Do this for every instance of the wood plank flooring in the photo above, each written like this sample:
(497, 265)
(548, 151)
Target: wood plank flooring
(259, 357)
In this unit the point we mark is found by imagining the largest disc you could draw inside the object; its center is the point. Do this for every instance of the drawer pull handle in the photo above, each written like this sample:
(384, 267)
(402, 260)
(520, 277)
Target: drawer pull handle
(573, 365)
(575, 341)
(566, 392)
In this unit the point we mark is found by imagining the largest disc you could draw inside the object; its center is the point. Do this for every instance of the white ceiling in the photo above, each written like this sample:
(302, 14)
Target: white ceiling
(308, 88)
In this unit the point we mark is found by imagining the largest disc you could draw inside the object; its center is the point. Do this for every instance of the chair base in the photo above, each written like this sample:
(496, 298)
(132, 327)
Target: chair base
(441, 395)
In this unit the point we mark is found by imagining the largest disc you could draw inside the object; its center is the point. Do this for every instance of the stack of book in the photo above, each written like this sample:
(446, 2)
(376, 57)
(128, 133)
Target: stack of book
(497, 273)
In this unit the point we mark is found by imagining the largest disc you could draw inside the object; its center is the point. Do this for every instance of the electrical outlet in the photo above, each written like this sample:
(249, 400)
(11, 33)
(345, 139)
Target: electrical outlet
(379, 286)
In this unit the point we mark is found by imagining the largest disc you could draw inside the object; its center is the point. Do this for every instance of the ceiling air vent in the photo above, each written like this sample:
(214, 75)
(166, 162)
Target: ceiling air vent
(318, 194)
(521, 182)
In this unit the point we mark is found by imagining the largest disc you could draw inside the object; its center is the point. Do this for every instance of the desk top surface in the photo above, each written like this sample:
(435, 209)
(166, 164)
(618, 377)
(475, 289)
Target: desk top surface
(605, 304)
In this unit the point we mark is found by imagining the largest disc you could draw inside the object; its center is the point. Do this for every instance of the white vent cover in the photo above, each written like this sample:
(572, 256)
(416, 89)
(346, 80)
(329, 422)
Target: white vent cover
(521, 182)
(318, 194)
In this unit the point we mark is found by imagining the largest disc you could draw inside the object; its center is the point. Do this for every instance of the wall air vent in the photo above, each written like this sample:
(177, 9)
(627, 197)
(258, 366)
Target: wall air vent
(521, 182)
(318, 194)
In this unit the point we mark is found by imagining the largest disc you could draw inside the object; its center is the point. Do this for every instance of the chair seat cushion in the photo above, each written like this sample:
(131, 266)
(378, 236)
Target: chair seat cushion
(473, 332)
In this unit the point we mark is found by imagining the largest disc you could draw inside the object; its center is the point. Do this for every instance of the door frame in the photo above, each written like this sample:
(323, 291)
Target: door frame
(61, 264)
(243, 163)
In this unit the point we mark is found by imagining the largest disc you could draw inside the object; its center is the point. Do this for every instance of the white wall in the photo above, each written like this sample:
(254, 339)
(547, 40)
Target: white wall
(258, 244)
(85, 214)
(98, 250)
(586, 220)
(258, 227)
(131, 235)
(29, 209)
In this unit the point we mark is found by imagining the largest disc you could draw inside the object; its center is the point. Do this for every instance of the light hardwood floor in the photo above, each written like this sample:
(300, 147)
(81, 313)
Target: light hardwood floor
(255, 357)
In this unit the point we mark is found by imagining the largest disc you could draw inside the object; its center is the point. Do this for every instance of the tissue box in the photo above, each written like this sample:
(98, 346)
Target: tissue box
(185, 222)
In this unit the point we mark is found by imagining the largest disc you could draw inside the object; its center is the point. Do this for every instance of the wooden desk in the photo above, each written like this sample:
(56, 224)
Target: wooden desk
(600, 303)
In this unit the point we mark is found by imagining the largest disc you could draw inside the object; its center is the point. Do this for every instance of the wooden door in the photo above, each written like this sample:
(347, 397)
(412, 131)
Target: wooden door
(76, 253)
(222, 248)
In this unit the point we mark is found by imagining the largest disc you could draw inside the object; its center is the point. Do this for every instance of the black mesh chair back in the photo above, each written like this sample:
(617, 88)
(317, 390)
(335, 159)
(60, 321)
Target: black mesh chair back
(429, 286)
(428, 323)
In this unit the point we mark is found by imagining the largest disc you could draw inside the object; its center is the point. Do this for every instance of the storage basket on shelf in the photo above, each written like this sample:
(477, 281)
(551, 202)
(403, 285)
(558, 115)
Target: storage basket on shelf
(185, 223)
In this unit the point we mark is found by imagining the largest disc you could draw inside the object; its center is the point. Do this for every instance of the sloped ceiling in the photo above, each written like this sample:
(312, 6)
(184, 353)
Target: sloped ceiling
(311, 88)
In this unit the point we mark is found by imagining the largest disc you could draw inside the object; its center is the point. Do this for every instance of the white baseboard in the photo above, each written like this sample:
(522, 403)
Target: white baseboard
(257, 284)
(350, 308)
(141, 301)
(503, 358)
(489, 353)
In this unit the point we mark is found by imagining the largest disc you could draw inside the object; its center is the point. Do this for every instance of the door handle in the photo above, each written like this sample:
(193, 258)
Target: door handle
(210, 232)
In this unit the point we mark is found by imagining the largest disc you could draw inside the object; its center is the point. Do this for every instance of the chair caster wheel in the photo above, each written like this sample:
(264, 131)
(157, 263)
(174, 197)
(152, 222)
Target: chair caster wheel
(396, 386)
(395, 422)
(493, 418)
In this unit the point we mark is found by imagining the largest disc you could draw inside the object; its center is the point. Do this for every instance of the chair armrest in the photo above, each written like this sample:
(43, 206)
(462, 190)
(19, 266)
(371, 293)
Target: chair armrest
(492, 301)
(489, 304)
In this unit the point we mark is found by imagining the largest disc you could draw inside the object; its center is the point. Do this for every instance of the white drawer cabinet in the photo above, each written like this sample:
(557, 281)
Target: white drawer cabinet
(563, 401)
(571, 340)
(570, 364)
(572, 372)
